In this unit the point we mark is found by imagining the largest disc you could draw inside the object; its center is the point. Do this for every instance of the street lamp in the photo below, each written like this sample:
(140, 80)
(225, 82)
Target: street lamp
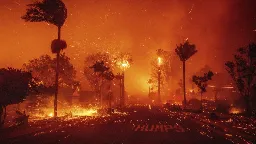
(159, 62)
(124, 65)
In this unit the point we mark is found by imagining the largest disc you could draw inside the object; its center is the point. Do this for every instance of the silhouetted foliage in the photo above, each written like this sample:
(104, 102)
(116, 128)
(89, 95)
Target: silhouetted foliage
(58, 45)
(105, 74)
(201, 81)
(243, 71)
(185, 51)
(103, 71)
(99, 67)
(93, 77)
(53, 12)
(202, 71)
(15, 85)
(50, 11)
(43, 69)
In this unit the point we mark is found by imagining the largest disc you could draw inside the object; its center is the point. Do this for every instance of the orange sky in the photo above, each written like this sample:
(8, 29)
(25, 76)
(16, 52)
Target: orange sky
(217, 27)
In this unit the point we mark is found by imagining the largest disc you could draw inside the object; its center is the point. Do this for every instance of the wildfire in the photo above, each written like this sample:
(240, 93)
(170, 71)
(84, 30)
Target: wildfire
(50, 114)
(159, 60)
(78, 111)
(177, 103)
(235, 111)
(123, 64)
(72, 111)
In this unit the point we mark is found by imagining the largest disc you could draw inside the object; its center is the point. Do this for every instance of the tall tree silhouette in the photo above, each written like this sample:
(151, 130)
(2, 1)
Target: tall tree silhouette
(201, 82)
(185, 51)
(53, 12)
(91, 76)
(243, 72)
(15, 85)
(103, 72)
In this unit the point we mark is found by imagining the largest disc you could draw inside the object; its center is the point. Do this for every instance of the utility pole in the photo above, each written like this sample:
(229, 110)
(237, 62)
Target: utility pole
(123, 97)
(159, 60)
(159, 97)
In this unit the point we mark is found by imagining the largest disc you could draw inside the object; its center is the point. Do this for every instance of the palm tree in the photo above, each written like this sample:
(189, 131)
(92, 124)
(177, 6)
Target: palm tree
(185, 51)
(53, 12)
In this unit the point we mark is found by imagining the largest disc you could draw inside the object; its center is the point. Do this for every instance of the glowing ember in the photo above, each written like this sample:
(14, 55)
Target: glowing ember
(123, 64)
(159, 59)
(235, 111)
(78, 111)
(67, 111)
(50, 114)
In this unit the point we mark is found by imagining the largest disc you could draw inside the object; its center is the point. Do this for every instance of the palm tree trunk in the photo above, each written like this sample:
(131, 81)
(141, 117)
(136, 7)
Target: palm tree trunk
(184, 85)
(159, 87)
(57, 76)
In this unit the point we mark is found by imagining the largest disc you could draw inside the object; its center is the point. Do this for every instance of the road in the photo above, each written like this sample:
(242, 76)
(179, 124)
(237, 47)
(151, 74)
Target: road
(140, 125)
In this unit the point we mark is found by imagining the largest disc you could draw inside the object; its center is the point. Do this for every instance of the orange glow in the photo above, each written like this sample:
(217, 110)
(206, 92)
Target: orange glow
(76, 110)
(159, 61)
(50, 114)
(112, 26)
(228, 87)
(123, 65)
(235, 110)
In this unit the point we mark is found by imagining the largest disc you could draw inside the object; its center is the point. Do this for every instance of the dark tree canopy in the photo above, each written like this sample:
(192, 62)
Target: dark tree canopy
(201, 81)
(185, 51)
(58, 45)
(93, 77)
(15, 85)
(50, 11)
(103, 71)
(43, 70)
(99, 67)
(243, 72)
